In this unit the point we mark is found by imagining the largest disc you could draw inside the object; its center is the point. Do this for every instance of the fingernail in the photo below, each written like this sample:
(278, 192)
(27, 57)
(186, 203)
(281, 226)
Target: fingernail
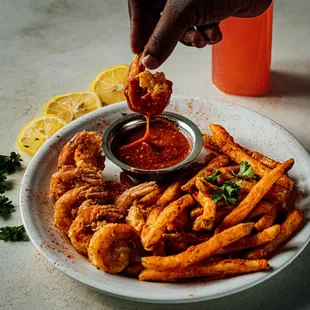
(150, 62)
(216, 38)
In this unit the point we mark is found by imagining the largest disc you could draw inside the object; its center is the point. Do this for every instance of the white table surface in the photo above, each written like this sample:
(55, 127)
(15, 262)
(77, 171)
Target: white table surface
(49, 47)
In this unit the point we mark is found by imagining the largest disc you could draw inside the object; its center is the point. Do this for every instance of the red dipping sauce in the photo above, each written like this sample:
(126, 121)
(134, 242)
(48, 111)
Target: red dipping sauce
(166, 147)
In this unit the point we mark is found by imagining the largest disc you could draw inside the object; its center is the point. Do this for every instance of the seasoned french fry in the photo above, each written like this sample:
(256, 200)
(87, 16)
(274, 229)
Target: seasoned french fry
(187, 237)
(212, 167)
(255, 195)
(266, 220)
(196, 212)
(199, 252)
(133, 269)
(226, 173)
(228, 147)
(205, 186)
(288, 228)
(258, 168)
(150, 199)
(222, 268)
(221, 213)
(168, 215)
(179, 223)
(135, 218)
(252, 241)
(276, 193)
(268, 162)
(169, 195)
(209, 142)
(206, 219)
(221, 135)
(261, 208)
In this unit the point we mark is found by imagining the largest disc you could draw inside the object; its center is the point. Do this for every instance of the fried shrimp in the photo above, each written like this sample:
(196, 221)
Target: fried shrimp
(70, 177)
(87, 222)
(83, 150)
(135, 218)
(125, 200)
(67, 205)
(109, 248)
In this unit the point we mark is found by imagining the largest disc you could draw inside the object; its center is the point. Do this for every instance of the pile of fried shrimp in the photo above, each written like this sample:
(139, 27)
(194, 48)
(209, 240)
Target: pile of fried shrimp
(197, 225)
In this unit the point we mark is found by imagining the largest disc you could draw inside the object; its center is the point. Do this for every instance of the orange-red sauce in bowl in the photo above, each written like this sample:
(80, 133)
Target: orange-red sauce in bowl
(166, 146)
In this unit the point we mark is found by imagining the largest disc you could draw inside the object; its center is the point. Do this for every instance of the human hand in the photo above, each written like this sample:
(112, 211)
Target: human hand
(157, 26)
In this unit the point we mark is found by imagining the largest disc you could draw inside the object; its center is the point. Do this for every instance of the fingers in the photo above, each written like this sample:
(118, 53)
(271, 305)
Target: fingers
(209, 34)
(164, 38)
(193, 37)
(212, 32)
(143, 20)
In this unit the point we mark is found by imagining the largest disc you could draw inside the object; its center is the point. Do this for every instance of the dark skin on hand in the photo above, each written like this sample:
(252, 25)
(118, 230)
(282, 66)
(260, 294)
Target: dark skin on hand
(158, 25)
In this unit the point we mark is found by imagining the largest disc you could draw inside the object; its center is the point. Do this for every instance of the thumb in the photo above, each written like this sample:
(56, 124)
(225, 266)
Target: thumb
(167, 33)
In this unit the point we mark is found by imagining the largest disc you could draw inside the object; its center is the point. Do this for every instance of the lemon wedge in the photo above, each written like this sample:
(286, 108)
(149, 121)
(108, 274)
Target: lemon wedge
(109, 84)
(37, 131)
(72, 105)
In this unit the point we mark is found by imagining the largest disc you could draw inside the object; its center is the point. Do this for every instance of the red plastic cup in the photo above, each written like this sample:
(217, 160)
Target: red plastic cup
(241, 61)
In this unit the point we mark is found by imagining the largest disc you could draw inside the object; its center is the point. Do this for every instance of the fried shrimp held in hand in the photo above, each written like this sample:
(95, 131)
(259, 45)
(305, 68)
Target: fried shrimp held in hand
(109, 248)
(147, 93)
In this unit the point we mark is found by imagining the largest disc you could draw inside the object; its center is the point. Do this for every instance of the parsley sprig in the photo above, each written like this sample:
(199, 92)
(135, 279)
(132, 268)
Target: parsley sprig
(6, 206)
(229, 192)
(9, 164)
(3, 184)
(245, 172)
(13, 233)
(213, 177)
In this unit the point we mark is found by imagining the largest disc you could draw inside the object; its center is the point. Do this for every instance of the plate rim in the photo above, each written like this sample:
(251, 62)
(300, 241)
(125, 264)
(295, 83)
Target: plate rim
(35, 240)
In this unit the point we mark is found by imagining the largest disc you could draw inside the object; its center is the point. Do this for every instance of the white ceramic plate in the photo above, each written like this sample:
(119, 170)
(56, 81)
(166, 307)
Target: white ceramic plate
(249, 128)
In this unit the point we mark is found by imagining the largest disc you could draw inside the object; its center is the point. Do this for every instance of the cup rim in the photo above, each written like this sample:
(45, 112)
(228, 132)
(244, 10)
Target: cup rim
(170, 116)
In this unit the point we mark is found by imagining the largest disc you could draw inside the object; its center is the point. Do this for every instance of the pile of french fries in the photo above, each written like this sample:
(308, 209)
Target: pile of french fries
(218, 223)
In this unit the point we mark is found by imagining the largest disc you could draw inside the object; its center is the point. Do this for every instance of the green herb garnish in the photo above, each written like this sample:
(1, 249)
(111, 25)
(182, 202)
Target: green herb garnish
(3, 185)
(6, 206)
(8, 164)
(246, 171)
(229, 192)
(13, 233)
(212, 178)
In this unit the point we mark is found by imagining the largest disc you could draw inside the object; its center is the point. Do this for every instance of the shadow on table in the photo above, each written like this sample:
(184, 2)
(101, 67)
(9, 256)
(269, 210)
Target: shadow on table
(289, 84)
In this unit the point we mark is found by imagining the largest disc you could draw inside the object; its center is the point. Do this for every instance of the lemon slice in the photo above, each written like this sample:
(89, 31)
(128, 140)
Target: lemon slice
(109, 84)
(72, 105)
(37, 131)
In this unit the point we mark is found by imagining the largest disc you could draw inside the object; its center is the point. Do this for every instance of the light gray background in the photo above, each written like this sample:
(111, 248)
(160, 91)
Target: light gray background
(48, 47)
